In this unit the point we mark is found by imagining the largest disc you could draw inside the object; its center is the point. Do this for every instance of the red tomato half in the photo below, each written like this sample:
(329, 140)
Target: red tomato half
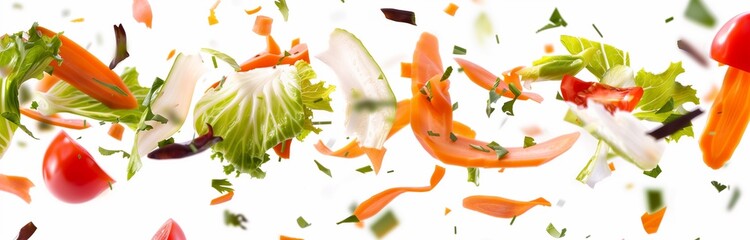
(577, 91)
(70, 173)
(169, 231)
(731, 45)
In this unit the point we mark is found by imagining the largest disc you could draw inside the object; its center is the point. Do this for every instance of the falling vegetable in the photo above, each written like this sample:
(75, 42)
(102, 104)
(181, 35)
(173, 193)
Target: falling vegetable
(170, 230)
(26, 231)
(55, 120)
(223, 198)
(651, 221)
(16, 185)
(556, 20)
(501, 207)
(262, 25)
(142, 12)
(212, 13)
(384, 225)
(121, 49)
(116, 131)
(487, 80)
(398, 15)
(182, 150)
(451, 9)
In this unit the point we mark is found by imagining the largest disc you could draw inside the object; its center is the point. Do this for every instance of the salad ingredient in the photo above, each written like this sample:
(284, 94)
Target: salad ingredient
(398, 15)
(651, 221)
(223, 198)
(282, 237)
(55, 120)
(684, 45)
(121, 49)
(733, 199)
(46, 82)
(451, 9)
(675, 125)
(487, 80)
(283, 8)
(579, 92)
(597, 30)
(77, 20)
(170, 230)
(142, 12)
(556, 20)
(70, 172)
(370, 102)
(273, 56)
(212, 13)
(222, 185)
(729, 114)
(607, 57)
(171, 54)
(528, 141)
(483, 27)
(302, 222)
(654, 173)
(405, 70)
(501, 207)
(698, 13)
(85, 72)
(376, 203)
(224, 57)
(459, 50)
(182, 150)
(234, 220)
(253, 11)
(26, 231)
(283, 149)
(555, 67)
(719, 187)
(107, 152)
(16, 185)
(473, 176)
(620, 76)
(384, 225)
(116, 131)
(549, 48)
(554, 233)
(323, 169)
(364, 169)
(262, 25)
(596, 169)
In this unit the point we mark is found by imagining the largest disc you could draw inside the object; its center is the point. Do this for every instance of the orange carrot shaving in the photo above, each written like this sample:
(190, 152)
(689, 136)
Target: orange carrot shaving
(451, 9)
(171, 54)
(116, 131)
(212, 14)
(269, 58)
(283, 149)
(374, 204)
(271, 46)
(612, 166)
(142, 12)
(406, 70)
(47, 82)
(223, 198)
(447, 210)
(461, 129)
(263, 25)
(532, 130)
(728, 119)
(549, 48)
(486, 80)
(501, 207)
(77, 20)
(711, 95)
(376, 157)
(253, 11)
(86, 73)
(57, 121)
(652, 221)
(282, 237)
(295, 42)
(15, 185)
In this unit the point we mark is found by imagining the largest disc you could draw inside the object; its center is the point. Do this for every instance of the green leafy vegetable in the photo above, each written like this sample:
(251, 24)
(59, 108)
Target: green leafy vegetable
(323, 168)
(302, 223)
(234, 220)
(473, 176)
(606, 58)
(719, 187)
(222, 185)
(508, 106)
(107, 152)
(459, 50)
(364, 169)
(500, 151)
(556, 20)
(733, 199)
(385, 224)
(698, 13)
(653, 172)
(283, 8)
(554, 233)
(555, 67)
(654, 199)
(350, 219)
(224, 57)
(528, 141)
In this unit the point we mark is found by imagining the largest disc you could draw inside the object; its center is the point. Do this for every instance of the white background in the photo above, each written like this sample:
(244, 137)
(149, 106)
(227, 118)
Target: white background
(181, 189)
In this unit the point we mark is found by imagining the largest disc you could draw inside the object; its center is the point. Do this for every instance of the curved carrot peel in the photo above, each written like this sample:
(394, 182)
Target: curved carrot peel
(116, 131)
(282, 237)
(283, 149)
(436, 116)
(223, 198)
(486, 80)
(376, 157)
(15, 185)
(272, 56)
(652, 221)
(142, 12)
(47, 82)
(501, 207)
(729, 117)
(374, 204)
(56, 121)
(253, 11)
(86, 73)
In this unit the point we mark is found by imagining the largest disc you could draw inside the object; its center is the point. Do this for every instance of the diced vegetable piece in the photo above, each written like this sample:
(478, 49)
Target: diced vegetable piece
(116, 131)
(651, 221)
(451, 9)
(263, 25)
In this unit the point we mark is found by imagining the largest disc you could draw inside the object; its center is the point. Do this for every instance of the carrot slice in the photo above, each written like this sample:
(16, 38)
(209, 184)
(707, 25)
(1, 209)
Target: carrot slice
(15, 185)
(262, 25)
(436, 115)
(53, 120)
(652, 221)
(253, 11)
(77, 20)
(223, 198)
(728, 120)
(171, 54)
(486, 80)
(116, 131)
(142, 12)
(86, 73)
(406, 70)
(282, 237)
(501, 207)
(374, 204)
(47, 82)
(212, 13)
(549, 48)
(283, 149)
(451, 9)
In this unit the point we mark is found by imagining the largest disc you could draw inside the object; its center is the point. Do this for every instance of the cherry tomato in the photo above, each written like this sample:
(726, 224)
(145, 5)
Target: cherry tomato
(577, 91)
(169, 231)
(70, 173)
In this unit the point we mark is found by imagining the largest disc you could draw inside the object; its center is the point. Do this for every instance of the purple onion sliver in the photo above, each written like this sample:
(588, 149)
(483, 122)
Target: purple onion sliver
(26, 231)
(675, 125)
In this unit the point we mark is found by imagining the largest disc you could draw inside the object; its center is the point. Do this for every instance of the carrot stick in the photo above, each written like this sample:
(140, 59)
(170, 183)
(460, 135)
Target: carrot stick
(52, 120)
(501, 207)
(282, 237)
(223, 198)
(652, 221)
(142, 12)
(374, 204)
(15, 185)
(89, 75)
(486, 80)
(253, 11)
(436, 115)
(262, 25)
(728, 120)
(451, 9)
(47, 82)
(171, 54)
(116, 131)
(283, 149)
(406, 70)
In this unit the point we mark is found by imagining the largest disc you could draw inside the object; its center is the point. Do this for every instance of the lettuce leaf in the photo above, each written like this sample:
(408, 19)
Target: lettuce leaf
(599, 63)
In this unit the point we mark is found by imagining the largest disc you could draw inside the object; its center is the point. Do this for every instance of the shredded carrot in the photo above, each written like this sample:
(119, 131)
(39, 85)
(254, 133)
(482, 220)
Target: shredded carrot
(212, 14)
(447, 210)
(223, 198)
(269, 58)
(728, 119)
(142, 12)
(263, 25)
(283, 149)
(171, 54)
(501, 207)
(532, 130)
(406, 70)
(47, 82)
(282, 237)
(549, 48)
(374, 204)
(295, 42)
(711, 95)
(451, 9)
(486, 80)
(15, 185)
(376, 157)
(86, 73)
(77, 20)
(436, 115)
(253, 11)
(53, 120)
(116, 131)
(652, 221)
(611, 166)
(461, 129)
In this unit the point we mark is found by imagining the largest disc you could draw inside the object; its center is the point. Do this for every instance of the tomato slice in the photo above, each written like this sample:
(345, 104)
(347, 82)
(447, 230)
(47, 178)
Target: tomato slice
(169, 231)
(71, 173)
(578, 91)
